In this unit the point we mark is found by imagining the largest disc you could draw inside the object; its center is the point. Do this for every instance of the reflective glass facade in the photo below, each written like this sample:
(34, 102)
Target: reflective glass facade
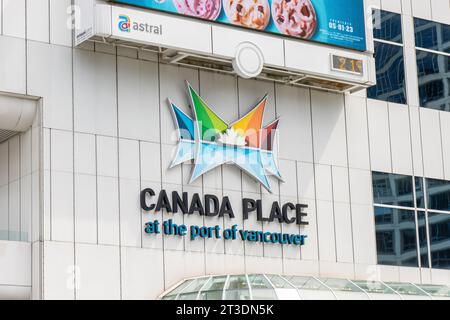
(389, 58)
(412, 230)
(433, 63)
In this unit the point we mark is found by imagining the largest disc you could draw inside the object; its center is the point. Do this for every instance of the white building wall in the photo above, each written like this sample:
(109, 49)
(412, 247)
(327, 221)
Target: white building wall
(107, 133)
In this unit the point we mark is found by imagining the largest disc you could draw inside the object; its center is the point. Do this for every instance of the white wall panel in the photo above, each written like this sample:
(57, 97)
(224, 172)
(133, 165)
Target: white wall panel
(108, 210)
(326, 235)
(14, 158)
(107, 156)
(324, 183)
(4, 212)
(361, 186)
(60, 31)
(84, 154)
(85, 208)
(440, 11)
(49, 75)
(4, 166)
(445, 130)
(25, 153)
(400, 139)
(61, 206)
(416, 140)
(130, 213)
(306, 180)
(310, 251)
(173, 86)
(38, 20)
(14, 18)
(328, 116)
(288, 170)
(411, 70)
(62, 151)
(431, 143)
(138, 99)
(99, 272)
(421, 8)
(150, 161)
(129, 159)
(293, 108)
(179, 265)
(95, 104)
(364, 242)
(222, 264)
(406, 7)
(392, 5)
(357, 132)
(344, 236)
(25, 208)
(341, 192)
(58, 280)
(15, 263)
(12, 64)
(379, 139)
(136, 266)
(14, 211)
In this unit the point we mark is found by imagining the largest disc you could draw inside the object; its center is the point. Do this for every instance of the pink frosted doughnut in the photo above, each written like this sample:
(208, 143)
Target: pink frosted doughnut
(205, 9)
(253, 14)
(295, 17)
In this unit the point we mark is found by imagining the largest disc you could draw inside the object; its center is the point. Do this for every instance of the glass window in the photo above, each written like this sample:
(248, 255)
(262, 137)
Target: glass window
(435, 290)
(390, 74)
(434, 77)
(374, 287)
(406, 289)
(439, 225)
(420, 201)
(423, 239)
(432, 35)
(392, 189)
(388, 58)
(396, 241)
(213, 290)
(261, 288)
(237, 288)
(191, 291)
(341, 285)
(387, 26)
(438, 194)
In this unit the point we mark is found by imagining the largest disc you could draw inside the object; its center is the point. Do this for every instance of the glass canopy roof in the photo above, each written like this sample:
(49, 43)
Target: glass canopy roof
(273, 287)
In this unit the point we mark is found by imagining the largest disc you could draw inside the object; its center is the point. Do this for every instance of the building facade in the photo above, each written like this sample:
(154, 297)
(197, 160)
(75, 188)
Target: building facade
(373, 166)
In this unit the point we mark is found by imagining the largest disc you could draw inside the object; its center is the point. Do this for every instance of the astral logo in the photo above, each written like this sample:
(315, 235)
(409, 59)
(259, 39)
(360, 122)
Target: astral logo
(211, 142)
(124, 23)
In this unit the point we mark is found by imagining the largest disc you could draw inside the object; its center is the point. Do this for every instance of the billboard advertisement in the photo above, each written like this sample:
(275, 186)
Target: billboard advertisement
(334, 22)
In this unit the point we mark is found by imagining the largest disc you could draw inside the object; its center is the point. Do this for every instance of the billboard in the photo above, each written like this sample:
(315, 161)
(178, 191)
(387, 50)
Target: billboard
(334, 22)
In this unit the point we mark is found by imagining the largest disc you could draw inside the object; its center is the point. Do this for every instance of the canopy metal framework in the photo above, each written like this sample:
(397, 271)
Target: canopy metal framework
(278, 287)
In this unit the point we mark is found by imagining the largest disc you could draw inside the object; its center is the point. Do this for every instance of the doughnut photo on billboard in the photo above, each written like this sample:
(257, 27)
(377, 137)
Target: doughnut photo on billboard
(295, 17)
(254, 14)
(204, 9)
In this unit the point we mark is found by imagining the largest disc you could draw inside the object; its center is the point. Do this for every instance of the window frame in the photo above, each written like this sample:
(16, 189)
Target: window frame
(432, 51)
(398, 44)
(416, 211)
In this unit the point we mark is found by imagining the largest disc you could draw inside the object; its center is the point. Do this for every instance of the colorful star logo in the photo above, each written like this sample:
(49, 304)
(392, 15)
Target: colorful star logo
(211, 142)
